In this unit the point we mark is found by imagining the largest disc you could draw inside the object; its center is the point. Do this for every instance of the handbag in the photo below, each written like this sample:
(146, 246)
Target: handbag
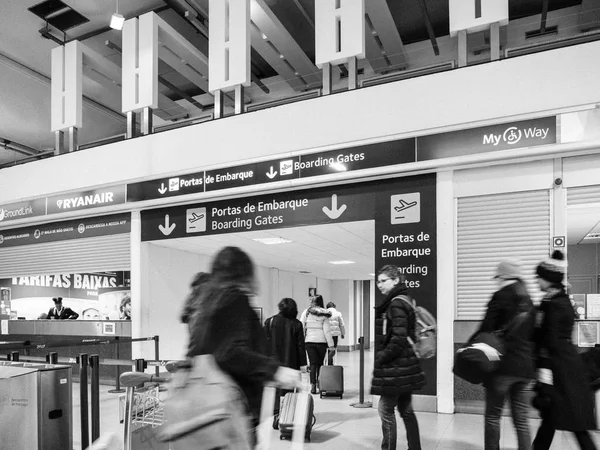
(205, 409)
(479, 359)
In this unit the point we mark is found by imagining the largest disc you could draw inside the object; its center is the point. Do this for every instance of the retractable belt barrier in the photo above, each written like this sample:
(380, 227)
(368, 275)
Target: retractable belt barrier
(94, 363)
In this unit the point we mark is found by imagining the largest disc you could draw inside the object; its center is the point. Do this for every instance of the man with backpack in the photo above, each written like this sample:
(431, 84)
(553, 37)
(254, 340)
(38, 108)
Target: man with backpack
(510, 313)
(397, 371)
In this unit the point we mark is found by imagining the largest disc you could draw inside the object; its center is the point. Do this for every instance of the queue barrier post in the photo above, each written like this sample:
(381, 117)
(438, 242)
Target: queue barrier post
(83, 396)
(156, 351)
(361, 383)
(14, 356)
(117, 389)
(52, 358)
(95, 367)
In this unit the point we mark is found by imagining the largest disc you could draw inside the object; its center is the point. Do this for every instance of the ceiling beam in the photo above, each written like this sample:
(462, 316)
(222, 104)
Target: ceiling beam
(429, 27)
(384, 47)
(544, 18)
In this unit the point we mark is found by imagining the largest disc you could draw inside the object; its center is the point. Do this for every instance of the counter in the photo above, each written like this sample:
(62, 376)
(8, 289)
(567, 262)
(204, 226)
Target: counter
(70, 327)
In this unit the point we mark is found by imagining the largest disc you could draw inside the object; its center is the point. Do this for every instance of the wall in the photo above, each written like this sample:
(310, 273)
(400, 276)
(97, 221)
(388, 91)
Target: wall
(583, 259)
(165, 278)
(494, 92)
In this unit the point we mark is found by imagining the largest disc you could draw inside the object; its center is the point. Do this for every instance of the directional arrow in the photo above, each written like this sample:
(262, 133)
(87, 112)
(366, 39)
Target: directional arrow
(334, 212)
(162, 189)
(167, 229)
(271, 174)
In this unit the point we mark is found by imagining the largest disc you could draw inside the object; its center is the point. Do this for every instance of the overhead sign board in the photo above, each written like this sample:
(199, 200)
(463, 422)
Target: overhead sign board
(66, 230)
(85, 200)
(166, 187)
(527, 133)
(23, 210)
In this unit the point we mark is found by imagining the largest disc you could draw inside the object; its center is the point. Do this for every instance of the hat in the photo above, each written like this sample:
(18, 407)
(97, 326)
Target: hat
(508, 269)
(553, 269)
(57, 299)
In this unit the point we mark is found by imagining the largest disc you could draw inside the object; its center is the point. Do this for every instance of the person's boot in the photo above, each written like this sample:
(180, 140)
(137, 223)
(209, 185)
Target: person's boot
(313, 388)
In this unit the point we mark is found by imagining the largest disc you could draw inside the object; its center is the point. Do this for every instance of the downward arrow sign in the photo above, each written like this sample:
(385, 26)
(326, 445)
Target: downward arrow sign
(334, 212)
(271, 174)
(167, 229)
(162, 189)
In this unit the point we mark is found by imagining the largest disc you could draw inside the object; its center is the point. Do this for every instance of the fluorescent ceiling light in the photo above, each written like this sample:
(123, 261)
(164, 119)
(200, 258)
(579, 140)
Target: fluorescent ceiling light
(592, 236)
(117, 21)
(342, 262)
(272, 240)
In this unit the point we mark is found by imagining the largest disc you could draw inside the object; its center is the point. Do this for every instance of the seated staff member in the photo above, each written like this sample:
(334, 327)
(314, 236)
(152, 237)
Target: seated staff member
(61, 312)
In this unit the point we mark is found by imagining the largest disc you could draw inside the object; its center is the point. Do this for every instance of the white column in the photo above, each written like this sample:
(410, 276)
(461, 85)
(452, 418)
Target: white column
(66, 87)
(339, 31)
(140, 63)
(137, 315)
(229, 44)
(446, 305)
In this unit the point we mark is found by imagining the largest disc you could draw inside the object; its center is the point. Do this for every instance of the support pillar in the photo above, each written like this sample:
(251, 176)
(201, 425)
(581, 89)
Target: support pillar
(352, 73)
(131, 124)
(495, 41)
(327, 82)
(146, 122)
(462, 48)
(59, 142)
(219, 104)
(73, 139)
(239, 99)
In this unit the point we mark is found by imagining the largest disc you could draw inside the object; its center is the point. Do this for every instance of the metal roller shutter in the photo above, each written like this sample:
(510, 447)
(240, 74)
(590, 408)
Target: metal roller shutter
(583, 195)
(491, 228)
(97, 254)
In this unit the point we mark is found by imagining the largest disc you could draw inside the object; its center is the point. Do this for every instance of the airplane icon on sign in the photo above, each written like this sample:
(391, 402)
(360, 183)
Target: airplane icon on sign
(195, 217)
(404, 205)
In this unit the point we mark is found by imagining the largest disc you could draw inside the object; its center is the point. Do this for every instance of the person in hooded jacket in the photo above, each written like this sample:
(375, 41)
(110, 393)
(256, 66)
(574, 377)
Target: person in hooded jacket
(510, 309)
(192, 300)
(565, 399)
(337, 327)
(396, 371)
(318, 338)
(285, 338)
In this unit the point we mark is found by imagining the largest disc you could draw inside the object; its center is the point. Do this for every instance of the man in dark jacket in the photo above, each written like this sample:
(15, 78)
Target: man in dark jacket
(510, 311)
(285, 336)
(61, 312)
(397, 371)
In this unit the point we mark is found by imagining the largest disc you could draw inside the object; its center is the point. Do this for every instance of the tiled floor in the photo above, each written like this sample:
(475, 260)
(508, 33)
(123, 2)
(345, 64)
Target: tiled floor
(342, 427)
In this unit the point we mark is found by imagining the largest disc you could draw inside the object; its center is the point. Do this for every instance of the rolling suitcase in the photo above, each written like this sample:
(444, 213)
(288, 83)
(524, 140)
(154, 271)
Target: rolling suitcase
(287, 420)
(331, 381)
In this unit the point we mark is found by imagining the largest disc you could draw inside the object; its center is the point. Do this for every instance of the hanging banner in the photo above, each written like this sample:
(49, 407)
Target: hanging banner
(23, 210)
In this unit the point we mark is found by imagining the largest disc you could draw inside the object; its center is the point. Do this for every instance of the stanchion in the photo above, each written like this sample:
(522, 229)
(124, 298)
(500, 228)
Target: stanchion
(95, 366)
(361, 383)
(117, 389)
(140, 365)
(52, 358)
(83, 396)
(14, 356)
(156, 350)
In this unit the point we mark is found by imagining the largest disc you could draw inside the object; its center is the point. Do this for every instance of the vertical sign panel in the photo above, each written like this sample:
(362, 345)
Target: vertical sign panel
(229, 44)
(339, 31)
(476, 15)
(66, 87)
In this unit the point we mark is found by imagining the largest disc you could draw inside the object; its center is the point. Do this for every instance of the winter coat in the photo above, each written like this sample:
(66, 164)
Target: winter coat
(396, 369)
(336, 323)
(226, 326)
(506, 303)
(285, 337)
(316, 325)
(64, 313)
(572, 401)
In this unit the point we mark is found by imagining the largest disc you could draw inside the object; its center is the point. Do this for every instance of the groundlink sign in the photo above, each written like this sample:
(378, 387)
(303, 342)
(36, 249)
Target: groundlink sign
(404, 212)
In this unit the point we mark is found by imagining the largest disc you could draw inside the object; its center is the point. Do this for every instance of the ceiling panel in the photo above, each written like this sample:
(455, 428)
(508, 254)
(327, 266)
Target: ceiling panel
(311, 250)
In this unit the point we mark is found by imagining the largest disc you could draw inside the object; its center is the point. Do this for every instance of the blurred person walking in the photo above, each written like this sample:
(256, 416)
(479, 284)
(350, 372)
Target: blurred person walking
(225, 326)
(315, 320)
(565, 399)
(510, 311)
(337, 327)
(397, 371)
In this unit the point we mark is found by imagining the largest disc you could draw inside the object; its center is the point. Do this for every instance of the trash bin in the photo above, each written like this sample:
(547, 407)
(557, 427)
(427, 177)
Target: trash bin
(36, 406)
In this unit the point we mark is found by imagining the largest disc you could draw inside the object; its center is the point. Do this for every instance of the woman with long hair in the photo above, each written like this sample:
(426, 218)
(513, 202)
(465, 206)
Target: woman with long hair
(565, 399)
(225, 326)
(318, 339)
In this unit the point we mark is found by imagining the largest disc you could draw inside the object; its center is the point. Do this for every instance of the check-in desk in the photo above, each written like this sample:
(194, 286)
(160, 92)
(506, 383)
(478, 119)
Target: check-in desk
(470, 398)
(40, 332)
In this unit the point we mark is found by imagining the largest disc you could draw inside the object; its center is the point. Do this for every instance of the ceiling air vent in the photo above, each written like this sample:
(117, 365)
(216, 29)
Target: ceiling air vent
(58, 14)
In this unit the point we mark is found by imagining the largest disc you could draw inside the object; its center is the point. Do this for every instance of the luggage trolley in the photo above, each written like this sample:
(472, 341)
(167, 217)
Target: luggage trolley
(143, 411)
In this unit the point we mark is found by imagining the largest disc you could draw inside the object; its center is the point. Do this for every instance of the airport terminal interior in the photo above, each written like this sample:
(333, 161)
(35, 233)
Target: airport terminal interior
(327, 139)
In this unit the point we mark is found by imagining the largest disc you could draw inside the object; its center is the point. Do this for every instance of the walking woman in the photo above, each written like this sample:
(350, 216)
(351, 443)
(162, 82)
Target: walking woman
(318, 338)
(225, 325)
(565, 399)
(397, 372)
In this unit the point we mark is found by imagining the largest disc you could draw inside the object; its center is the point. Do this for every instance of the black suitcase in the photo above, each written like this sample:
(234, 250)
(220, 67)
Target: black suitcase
(287, 419)
(331, 381)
